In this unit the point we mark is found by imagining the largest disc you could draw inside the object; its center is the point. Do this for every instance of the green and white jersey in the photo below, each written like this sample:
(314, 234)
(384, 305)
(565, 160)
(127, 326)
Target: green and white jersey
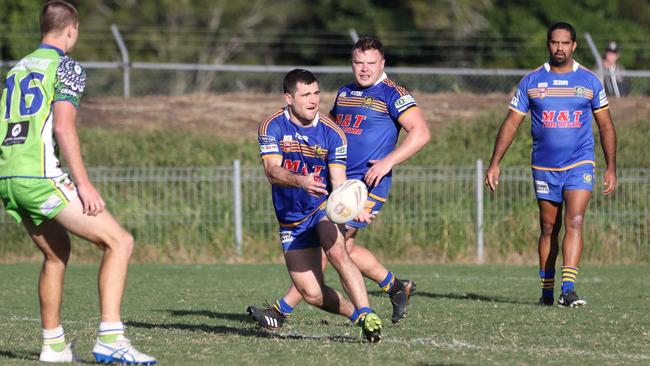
(28, 148)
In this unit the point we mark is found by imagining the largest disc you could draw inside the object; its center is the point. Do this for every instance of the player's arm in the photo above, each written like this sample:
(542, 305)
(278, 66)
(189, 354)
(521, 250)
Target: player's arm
(278, 175)
(65, 131)
(504, 139)
(337, 175)
(417, 135)
(608, 141)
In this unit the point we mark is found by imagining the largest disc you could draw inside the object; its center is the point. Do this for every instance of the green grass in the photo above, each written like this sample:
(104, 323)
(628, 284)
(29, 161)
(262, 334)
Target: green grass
(194, 315)
(459, 143)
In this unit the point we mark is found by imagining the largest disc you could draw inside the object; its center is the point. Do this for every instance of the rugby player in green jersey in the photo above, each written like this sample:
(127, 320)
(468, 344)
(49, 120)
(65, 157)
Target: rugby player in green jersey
(38, 112)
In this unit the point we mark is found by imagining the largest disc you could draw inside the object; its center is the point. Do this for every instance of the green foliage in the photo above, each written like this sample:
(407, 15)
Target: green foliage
(162, 148)
(474, 33)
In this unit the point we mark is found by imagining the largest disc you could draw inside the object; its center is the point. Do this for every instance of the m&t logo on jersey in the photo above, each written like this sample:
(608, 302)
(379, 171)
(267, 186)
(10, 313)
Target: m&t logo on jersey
(298, 166)
(344, 121)
(561, 119)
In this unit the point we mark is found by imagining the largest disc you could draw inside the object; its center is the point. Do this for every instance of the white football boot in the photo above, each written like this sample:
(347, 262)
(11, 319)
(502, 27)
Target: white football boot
(120, 351)
(50, 355)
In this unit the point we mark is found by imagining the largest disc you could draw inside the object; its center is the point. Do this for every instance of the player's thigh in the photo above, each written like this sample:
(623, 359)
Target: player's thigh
(330, 234)
(50, 237)
(576, 202)
(550, 213)
(577, 190)
(102, 229)
(304, 266)
(350, 235)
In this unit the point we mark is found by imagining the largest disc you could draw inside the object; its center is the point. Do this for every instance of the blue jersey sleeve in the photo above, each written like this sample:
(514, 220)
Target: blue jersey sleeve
(599, 100)
(520, 101)
(268, 139)
(399, 101)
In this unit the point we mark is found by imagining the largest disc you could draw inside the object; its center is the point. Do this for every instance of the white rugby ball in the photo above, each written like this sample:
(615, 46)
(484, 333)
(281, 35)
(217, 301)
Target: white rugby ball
(346, 202)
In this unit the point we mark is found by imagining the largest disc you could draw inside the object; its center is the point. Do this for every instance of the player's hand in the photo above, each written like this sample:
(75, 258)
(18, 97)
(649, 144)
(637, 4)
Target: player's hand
(365, 216)
(609, 181)
(312, 186)
(377, 171)
(92, 202)
(492, 177)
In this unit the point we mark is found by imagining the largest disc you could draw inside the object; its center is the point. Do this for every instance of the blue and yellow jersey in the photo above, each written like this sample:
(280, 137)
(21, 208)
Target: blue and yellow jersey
(369, 118)
(303, 150)
(561, 107)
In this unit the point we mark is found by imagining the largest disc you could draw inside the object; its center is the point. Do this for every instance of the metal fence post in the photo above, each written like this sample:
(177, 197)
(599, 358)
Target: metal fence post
(479, 210)
(126, 63)
(237, 206)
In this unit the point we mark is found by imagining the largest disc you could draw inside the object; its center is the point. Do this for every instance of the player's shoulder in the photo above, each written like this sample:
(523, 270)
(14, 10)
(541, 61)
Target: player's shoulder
(536, 74)
(345, 91)
(330, 125)
(270, 120)
(328, 122)
(71, 74)
(390, 86)
(590, 75)
(346, 88)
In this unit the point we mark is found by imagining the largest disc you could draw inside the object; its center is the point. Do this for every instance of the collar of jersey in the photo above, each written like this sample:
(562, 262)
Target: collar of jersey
(50, 47)
(576, 65)
(381, 78)
(314, 122)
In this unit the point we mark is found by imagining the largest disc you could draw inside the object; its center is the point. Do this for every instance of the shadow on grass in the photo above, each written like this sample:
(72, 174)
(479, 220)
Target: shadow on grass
(472, 296)
(249, 331)
(243, 318)
(33, 356)
(462, 296)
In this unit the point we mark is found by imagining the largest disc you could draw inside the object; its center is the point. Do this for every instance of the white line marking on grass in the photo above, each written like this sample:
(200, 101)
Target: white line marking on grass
(456, 344)
(34, 320)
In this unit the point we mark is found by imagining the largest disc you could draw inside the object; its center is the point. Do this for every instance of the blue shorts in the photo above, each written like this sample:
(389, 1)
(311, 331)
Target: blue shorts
(377, 196)
(549, 185)
(302, 235)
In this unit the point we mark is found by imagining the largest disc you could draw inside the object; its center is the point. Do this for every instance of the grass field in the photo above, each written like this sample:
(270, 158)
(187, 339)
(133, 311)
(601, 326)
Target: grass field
(194, 315)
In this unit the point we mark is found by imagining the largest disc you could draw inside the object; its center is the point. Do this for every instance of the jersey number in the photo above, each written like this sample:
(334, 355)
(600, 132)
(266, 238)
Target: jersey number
(31, 94)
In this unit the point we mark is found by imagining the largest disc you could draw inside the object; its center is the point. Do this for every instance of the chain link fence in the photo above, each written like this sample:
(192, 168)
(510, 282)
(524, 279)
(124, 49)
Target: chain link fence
(189, 214)
(147, 79)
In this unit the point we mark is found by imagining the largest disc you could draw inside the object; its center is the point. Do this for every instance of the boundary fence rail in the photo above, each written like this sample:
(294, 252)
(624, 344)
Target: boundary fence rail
(438, 212)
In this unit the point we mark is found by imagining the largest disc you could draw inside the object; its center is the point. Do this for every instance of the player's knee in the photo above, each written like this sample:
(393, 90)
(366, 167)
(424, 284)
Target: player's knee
(128, 243)
(122, 243)
(313, 296)
(575, 222)
(59, 255)
(547, 228)
(59, 258)
(336, 255)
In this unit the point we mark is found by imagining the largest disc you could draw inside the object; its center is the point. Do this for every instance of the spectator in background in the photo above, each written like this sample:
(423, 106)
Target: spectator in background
(612, 79)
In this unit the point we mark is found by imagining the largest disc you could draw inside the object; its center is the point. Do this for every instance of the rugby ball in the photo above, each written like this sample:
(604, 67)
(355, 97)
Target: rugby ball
(346, 202)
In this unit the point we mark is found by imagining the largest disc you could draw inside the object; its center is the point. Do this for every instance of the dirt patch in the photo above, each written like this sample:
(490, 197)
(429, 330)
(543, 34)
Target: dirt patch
(236, 115)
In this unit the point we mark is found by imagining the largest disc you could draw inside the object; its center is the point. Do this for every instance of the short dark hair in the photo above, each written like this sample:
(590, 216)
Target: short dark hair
(369, 43)
(561, 25)
(56, 15)
(295, 76)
